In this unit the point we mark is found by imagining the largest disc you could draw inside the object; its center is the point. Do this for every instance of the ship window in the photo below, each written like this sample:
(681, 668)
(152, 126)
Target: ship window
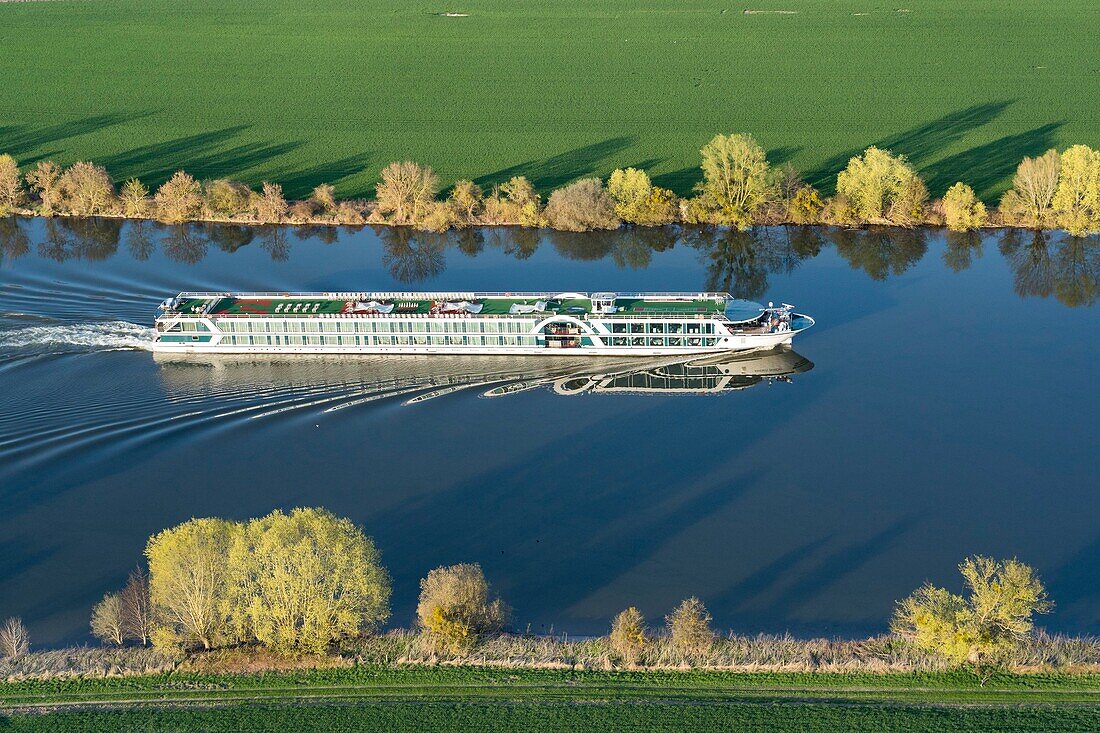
(675, 342)
(656, 328)
(618, 328)
(637, 328)
(675, 327)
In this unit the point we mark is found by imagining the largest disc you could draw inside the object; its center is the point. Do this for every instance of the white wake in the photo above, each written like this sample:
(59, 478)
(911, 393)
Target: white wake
(97, 336)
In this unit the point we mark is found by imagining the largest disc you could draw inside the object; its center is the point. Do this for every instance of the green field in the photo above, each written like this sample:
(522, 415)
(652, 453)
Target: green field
(332, 90)
(544, 700)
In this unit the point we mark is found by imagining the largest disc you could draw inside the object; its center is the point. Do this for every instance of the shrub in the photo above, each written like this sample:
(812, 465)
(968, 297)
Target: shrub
(107, 619)
(44, 180)
(1076, 201)
(689, 628)
(454, 606)
(737, 180)
(225, 198)
(1003, 596)
(805, 206)
(14, 640)
(437, 216)
(882, 187)
(962, 210)
(628, 635)
(1028, 202)
(405, 191)
(638, 201)
(178, 199)
(12, 194)
(514, 202)
(301, 582)
(86, 189)
(582, 206)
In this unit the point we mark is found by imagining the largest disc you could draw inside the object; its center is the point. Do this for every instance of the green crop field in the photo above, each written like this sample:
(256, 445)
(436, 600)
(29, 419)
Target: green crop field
(331, 90)
(417, 699)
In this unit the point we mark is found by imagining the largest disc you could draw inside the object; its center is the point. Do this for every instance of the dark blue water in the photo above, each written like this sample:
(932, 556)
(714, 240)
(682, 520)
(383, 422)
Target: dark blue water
(945, 404)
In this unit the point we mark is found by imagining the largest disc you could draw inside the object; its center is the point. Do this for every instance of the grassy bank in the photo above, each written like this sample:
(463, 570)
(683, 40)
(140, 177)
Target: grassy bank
(333, 90)
(452, 698)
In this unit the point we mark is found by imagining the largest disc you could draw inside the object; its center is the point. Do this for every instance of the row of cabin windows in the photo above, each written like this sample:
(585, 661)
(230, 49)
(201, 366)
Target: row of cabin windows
(293, 340)
(690, 327)
(262, 325)
(651, 341)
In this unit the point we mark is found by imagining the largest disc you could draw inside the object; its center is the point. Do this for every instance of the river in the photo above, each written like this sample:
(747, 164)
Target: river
(945, 404)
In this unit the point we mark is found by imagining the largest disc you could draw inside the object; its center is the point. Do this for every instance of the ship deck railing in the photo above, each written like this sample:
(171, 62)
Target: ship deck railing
(426, 295)
(678, 315)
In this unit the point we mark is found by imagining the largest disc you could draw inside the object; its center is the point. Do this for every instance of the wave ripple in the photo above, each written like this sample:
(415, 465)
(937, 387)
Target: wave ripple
(79, 337)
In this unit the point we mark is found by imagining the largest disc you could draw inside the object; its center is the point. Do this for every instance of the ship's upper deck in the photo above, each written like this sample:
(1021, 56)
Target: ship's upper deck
(541, 305)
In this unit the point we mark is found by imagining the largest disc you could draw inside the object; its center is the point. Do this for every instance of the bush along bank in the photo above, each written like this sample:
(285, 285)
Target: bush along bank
(739, 188)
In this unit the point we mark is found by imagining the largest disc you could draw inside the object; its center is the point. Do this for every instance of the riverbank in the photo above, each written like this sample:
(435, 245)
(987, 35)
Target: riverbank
(476, 698)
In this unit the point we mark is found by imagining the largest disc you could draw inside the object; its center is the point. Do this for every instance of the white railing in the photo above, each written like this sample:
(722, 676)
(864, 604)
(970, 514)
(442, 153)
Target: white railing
(442, 295)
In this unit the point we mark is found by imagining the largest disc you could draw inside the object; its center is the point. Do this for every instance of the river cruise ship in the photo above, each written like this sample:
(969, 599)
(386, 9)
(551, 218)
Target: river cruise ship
(597, 324)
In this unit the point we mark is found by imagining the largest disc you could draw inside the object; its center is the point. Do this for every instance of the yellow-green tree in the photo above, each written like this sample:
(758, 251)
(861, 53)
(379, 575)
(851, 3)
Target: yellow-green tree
(805, 206)
(996, 614)
(628, 635)
(1028, 202)
(1077, 199)
(188, 582)
(301, 582)
(12, 193)
(689, 627)
(466, 199)
(638, 201)
(454, 606)
(43, 180)
(737, 179)
(882, 187)
(962, 210)
(133, 198)
(108, 619)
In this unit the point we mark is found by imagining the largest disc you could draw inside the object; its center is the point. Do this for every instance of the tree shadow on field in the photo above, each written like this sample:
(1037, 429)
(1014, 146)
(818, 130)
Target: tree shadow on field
(552, 172)
(922, 143)
(18, 140)
(298, 183)
(205, 155)
(984, 167)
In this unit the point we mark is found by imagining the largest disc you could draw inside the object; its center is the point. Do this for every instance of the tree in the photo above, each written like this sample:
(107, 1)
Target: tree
(514, 202)
(133, 198)
(12, 194)
(188, 582)
(689, 627)
(107, 619)
(628, 635)
(405, 191)
(1028, 202)
(882, 187)
(43, 180)
(269, 206)
(137, 607)
(1003, 596)
(1077, 199)
(301, 582)
(737, 179)
(466, 199)
(178, 199)
(324, 197)
(962, 210)
(454, 606)
(14, 639)
(582, 206)
(86, 189)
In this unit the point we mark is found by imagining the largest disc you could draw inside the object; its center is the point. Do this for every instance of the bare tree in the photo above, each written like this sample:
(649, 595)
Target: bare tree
(269, 206)
(324, 197)
(12, 194)
(86, 189)
(43, 180)
(136, 605)
(178, 199)
(406, 190)
(14, 640)
(1030, 199)
(107, 619)
(134, 199)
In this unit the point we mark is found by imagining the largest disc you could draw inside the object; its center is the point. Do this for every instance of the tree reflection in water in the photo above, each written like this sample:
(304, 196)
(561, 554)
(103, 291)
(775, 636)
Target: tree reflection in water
(14, 241)
(739, 262)
(1069, 269)
(412, 256)
(960, 248)
(880, 251)
(1043, 264)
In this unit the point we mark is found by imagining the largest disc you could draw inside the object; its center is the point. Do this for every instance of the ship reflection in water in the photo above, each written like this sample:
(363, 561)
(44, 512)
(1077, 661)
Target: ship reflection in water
(280, 383)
